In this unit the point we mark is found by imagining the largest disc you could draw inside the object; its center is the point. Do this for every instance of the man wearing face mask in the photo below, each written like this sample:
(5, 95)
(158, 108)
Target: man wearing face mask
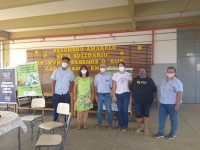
(171, 93)
(144, 92)
(62, 85)
(103, 85)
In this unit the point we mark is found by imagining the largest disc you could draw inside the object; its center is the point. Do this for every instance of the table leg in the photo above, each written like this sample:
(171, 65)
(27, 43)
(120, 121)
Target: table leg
(19, 142)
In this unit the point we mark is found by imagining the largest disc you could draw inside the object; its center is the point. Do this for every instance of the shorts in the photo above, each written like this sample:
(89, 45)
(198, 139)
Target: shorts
(142, 109)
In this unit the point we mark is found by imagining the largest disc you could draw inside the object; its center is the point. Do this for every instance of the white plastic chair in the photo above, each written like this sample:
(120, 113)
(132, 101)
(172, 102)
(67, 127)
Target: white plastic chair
(53, 140)
(35, 103)
(62, 109)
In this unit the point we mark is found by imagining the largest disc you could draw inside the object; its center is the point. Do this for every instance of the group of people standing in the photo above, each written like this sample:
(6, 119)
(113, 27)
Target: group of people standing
(118, 88)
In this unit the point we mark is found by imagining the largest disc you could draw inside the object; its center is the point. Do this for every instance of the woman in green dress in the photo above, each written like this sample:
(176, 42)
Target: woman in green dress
(83, 96)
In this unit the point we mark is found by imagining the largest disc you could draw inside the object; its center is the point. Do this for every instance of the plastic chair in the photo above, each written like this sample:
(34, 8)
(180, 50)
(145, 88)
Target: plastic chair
(53, 140)
(35, 103)
(49, 140)
(62, 109)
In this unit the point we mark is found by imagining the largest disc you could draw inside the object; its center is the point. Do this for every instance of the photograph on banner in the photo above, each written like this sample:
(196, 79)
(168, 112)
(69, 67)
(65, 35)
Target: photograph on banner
(112, 71)
(28, 80)
(8, 89)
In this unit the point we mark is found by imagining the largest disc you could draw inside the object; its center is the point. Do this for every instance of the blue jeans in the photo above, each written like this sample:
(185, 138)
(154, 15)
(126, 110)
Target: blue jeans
(122, 104)
(106, 99)
(164, 111)
(65, 98)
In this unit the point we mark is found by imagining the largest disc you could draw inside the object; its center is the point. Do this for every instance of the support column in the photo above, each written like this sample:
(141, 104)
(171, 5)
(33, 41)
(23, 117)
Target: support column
(6, 54)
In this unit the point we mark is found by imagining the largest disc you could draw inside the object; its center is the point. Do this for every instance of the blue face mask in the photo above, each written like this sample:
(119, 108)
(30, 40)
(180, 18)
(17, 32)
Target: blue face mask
(142, 74)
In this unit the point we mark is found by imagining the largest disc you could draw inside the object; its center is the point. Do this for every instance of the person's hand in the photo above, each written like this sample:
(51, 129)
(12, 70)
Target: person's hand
(92, 98)
(176, 108)
(114, 98)
(154, 100)
(96, 98)
(75, 98)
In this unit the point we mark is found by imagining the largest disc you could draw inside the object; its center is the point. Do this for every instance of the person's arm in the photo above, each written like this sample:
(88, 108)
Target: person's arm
(71, 87)
(154, 89)
(178, 100)
(92, 90)
(132, 89)
(95, 93)
(114, 87)
(179, 90)
(53, 86)
(75, 91)
(95, 88)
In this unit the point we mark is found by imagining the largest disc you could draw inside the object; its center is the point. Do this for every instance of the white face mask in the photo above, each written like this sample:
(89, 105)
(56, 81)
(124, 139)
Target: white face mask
(102, 70)
(121, 68)
(170, 75)
(64, 65)
(83, 71)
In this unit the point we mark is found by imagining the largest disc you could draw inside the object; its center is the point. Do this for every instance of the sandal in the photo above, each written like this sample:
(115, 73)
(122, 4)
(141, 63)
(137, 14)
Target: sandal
(138, 130)
(78, 127)
(119, 129)
(124, 130)
(84, 126)
(146, 131)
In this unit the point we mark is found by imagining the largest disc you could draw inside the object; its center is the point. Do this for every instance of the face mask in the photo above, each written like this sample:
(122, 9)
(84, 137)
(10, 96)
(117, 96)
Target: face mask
(142, 74)
(170, 75)
(64, 65)
(121, 68)
(102, 69)
(83, 71)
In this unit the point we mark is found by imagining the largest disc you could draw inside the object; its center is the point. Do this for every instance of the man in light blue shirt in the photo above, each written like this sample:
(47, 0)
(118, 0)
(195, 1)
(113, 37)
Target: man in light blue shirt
(62, 85)
(103, 85)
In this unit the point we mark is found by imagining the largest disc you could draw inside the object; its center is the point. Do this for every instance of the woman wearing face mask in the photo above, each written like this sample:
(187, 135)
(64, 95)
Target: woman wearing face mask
(121, 93)
(83, 96)
(170, 99)
(144, 92)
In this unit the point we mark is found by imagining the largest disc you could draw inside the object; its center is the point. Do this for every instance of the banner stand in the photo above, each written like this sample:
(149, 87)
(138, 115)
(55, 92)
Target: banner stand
(8, 108)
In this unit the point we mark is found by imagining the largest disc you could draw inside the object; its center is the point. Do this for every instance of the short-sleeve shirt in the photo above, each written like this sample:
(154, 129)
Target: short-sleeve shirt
(169, 90)
(143, 89)
(62, 78)
(103, 82)
(122, 81)
(84, 87)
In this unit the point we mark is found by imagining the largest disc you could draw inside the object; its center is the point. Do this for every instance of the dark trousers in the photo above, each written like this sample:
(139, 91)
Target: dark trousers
(65, 98)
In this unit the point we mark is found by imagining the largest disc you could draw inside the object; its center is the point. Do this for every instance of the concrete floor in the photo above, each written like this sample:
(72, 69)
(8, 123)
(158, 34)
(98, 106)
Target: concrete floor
(188, 136)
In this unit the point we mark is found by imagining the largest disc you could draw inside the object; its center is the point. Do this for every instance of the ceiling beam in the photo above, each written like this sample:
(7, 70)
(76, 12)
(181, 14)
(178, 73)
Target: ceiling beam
(165, 7)
(72, 31)
(6, 4)
(4, 35)
(67, 18)
(131, 9)
(169, 22)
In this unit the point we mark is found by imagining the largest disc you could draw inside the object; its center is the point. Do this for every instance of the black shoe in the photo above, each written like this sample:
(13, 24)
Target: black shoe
(158, 135)
(170, 136)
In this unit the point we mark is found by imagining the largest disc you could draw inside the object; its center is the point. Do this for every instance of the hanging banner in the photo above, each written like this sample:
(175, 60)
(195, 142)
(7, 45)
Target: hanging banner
(28, 80)
(8, 89)
(112, 71)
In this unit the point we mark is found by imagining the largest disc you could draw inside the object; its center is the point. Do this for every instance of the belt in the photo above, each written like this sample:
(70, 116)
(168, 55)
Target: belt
(103, 93)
